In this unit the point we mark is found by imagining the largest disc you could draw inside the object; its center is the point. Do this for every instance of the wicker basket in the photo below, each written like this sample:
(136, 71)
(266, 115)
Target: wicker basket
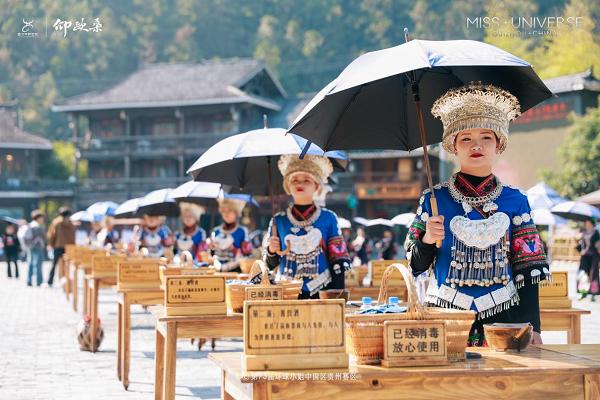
(236, 292)
(365, 331)
(246, 264)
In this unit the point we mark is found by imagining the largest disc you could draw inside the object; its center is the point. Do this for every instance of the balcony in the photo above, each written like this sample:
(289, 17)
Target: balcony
(144, 146)
(36, 187)
(382, 185)
(130, 185)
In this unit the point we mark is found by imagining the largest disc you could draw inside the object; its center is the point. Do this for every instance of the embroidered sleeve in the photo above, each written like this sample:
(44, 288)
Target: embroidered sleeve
(337, 252)
(202, 244)
(420, 255)
(165, 234)
(272, 260)
(527, 254)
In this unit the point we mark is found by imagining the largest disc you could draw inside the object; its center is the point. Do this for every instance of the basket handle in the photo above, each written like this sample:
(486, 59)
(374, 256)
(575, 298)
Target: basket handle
(186, 259)
(414, 307)
(264, 277)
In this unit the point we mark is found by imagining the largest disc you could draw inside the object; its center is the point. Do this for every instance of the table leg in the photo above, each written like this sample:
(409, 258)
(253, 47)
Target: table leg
(170, 362)
(68, 282)
(93, 291)
(224, 395)
(159, 366)
(576, 329)
(126, 342)
(119, 338)
(86, 297)
(74, 287)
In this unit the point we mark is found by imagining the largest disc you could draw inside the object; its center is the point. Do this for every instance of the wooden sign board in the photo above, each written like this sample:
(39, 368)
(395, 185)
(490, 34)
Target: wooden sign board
(139, 273)
(264, 293)
(178, 270)
(559, 287)
(106, 266)
(187, 295)
(276, 331)
(555, 294)
(86, 258)
(414, 343)
(351, 277)
(378, 268)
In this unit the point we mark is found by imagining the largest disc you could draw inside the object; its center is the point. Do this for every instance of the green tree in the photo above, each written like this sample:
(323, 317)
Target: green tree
(579, 156)
(573, 48)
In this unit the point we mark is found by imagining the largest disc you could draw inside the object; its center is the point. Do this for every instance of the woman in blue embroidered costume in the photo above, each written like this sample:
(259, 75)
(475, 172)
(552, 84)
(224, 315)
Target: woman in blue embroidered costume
(305, 241)
(155, 236)
(229, 242)
(491, 257)
(191, 237)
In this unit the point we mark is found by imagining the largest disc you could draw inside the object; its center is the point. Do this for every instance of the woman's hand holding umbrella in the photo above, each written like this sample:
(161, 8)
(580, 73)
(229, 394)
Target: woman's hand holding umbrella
(434, 230)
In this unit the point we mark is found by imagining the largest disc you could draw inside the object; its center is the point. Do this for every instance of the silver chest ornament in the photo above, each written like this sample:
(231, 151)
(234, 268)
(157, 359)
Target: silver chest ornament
(224, 242)
(185, 243)
(479, 250)
(304, 251)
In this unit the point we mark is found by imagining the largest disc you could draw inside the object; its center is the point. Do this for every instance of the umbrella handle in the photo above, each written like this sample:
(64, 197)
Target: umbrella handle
(274, 233)
(434, 212)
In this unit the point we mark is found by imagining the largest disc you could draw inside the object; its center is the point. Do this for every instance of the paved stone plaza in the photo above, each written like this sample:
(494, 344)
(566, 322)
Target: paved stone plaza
(40, 358)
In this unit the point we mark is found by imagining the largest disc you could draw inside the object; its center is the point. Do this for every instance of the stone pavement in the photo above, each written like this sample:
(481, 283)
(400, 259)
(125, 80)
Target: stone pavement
(40, 357)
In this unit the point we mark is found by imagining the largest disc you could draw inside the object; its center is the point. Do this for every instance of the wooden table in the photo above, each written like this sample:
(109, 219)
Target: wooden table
(126, 298)
(537, 373)
(169, 329)
(563, 319)
(91, 290)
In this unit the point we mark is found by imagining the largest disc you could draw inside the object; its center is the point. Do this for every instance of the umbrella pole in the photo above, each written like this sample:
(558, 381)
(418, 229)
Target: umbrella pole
(417, 99)
(432, 199)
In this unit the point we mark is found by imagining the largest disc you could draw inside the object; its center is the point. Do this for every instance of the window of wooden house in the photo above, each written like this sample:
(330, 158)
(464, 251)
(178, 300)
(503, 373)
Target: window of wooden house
(164, 127)
(107, 127)
(405, 169)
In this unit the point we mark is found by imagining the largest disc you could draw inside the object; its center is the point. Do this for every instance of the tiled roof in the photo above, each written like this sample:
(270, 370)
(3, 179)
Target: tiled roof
(12, 137)
(570, 83)
(164, 85)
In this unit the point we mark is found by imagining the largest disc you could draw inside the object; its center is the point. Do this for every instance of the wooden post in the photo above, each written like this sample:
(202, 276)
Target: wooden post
(74, 287)
(170, 361)
(159, 367)
(93, 290)
(119, 338)
(86, 297)
(126, 341)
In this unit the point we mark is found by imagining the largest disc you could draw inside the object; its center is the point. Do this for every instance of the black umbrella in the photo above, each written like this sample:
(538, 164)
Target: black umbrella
(376, 102)
(158, 203)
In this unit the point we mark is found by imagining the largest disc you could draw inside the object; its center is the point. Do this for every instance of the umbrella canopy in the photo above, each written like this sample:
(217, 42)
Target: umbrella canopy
(242, 196)
(197, 192)
(404, 219)
(591, 198)
(128, 209)
(371, 104)
(542, 196)
(576, 210)
(543, 216)
(82, 216)
(158, 203)
(246, 160)
(343, 223)
(103, 208)
(9, 220)
(373, 222)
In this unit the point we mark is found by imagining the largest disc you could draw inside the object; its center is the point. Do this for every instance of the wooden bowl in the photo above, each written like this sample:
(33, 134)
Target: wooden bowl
(502, 337)
(334, 294)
